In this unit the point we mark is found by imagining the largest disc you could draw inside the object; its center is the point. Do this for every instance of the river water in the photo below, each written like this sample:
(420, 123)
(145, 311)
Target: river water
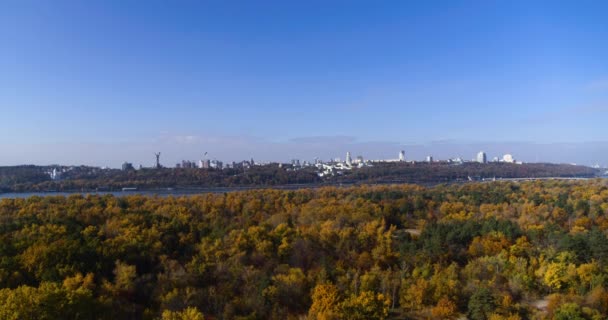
(158, 192)
(185, 192)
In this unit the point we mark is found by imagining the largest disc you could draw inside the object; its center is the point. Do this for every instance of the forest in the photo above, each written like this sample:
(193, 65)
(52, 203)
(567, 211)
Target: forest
(493, 250)
(421, 172)
(36, 178)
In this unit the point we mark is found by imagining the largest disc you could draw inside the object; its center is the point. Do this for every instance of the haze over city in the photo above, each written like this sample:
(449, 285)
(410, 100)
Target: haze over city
(106, 82)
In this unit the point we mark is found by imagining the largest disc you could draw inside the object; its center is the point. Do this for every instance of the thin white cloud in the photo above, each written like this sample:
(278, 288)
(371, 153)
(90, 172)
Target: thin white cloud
(598, 85)
(324, 139)
(593, 109)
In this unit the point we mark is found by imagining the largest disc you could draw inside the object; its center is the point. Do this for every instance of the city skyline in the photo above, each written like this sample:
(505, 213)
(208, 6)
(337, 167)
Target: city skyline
(99, 83)
(329, 149)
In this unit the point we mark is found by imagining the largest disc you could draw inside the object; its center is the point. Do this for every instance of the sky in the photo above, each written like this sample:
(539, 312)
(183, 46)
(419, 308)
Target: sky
(102, 82)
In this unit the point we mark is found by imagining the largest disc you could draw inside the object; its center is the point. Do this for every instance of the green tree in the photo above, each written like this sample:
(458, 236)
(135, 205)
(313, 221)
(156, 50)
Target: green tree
(481, 304)
(569, 311)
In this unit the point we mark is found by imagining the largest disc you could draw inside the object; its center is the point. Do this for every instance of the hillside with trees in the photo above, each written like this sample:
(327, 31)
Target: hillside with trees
(82, 178)
(497, 250)
(421, 172)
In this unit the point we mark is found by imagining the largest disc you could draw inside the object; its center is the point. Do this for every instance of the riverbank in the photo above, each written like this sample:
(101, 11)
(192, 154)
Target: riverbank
(166, 192)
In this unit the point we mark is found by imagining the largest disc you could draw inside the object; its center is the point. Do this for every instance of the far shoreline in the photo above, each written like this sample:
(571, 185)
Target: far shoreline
(188, 191)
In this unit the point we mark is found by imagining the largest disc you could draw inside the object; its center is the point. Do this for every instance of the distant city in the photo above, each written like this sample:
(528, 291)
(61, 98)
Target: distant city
(325, 168)
(336, 163)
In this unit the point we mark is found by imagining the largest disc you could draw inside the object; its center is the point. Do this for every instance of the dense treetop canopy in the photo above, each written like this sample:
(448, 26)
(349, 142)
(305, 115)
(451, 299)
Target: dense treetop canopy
(499, 250)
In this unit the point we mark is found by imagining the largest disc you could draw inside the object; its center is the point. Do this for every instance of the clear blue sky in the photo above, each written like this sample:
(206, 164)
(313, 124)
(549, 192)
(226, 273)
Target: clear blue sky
(100, 82)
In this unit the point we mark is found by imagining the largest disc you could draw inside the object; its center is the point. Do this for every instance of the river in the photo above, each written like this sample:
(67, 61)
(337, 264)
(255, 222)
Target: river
(185, 192)
(159, 192)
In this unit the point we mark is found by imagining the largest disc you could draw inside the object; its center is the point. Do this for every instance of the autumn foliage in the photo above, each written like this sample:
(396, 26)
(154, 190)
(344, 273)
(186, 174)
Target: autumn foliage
(530, 250)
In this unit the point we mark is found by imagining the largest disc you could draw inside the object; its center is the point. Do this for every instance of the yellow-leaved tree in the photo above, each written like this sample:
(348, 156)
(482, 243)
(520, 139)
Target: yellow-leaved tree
(190, 313)
(366, 306)
(325, 303)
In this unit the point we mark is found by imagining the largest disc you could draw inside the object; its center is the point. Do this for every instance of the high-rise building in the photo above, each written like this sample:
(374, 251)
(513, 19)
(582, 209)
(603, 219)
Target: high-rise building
(204, 164)
(402, 155)
(187, 164)
(216, 164)
(481, 157)
(429, 159)
(349, 160)
(126, 166)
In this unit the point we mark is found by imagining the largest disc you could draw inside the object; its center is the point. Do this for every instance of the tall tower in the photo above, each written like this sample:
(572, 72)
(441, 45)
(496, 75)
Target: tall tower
(401, 155)
(349, 160)
(157, 160)
(481, 157)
